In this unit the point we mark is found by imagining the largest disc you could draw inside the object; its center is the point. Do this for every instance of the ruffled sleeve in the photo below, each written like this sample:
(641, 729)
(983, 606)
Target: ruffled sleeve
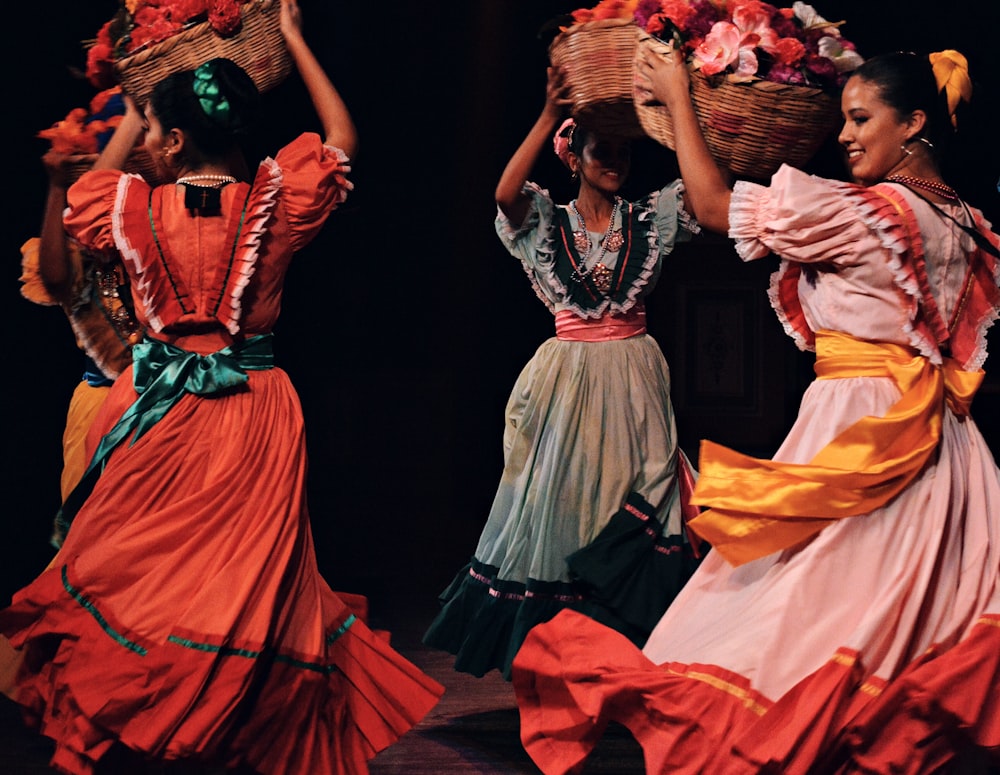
(533, 243)
(91, 209)
(314, 183)
(673, 223)
(34, 290)
(800, 217)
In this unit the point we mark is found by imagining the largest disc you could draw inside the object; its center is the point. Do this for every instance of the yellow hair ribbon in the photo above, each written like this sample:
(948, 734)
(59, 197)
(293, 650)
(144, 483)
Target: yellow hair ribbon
(951, 71)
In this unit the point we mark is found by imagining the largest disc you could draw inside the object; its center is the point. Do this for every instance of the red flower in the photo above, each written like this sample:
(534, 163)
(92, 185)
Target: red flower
(788, 51)
(100, 69)
(151, 26)
(183, 11)
(224, 16)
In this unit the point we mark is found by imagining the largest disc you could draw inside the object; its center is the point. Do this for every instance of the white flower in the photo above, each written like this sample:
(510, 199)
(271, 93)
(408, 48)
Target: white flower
(844, 59)
(806, 14)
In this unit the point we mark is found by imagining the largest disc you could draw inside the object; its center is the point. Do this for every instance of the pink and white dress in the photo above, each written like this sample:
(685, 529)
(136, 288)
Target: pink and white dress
(872, 642)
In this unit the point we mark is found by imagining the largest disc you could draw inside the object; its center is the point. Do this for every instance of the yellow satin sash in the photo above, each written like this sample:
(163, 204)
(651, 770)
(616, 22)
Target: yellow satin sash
(762, 506)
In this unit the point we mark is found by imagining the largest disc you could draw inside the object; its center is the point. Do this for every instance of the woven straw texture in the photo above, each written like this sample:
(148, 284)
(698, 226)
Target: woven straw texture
(597, 60)
(751, 128)
(258, 47)
(139, 161)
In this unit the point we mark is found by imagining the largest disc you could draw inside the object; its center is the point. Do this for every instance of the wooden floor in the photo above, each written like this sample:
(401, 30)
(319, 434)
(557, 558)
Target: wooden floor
(473, 729)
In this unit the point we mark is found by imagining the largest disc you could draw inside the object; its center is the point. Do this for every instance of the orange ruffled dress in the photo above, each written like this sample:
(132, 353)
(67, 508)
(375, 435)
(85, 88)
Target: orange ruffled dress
(829, 641)
(184, 615)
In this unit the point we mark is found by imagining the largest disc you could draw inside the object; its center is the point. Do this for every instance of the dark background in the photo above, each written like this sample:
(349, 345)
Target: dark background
(406, 323)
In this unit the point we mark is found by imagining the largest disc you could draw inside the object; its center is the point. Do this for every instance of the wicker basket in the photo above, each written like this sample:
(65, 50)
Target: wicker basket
(751, 128)
(258, 47)
(139, 161)
(597, 59)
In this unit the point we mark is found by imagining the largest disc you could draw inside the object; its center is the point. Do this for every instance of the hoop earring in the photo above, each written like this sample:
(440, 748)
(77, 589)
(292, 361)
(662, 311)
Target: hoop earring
(574, 175)
(906, 151)
(926, 142)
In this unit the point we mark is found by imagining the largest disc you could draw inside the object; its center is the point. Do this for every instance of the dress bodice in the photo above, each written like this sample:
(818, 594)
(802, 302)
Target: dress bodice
(192, 271)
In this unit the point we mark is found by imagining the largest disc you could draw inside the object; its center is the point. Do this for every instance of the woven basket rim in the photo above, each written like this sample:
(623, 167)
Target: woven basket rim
(187, 34)
(646, 38)
(595, 24)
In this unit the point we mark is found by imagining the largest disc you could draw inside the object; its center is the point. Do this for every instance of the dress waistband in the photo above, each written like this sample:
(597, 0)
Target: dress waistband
(572, 328)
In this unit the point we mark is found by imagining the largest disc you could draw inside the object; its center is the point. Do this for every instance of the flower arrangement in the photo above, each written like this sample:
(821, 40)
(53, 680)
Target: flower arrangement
(746, 40)
(139, 24)
(87, 130)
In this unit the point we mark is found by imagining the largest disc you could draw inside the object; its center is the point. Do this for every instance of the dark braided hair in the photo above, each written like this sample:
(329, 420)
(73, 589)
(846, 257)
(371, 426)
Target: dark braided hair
(176, 103)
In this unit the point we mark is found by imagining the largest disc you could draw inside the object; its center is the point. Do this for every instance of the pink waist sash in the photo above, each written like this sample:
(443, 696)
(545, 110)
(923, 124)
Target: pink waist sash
(607, 328)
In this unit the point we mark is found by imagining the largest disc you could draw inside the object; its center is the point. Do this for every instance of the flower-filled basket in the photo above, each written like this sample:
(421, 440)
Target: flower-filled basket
(157, 39)
(597, 58)
(764, 80)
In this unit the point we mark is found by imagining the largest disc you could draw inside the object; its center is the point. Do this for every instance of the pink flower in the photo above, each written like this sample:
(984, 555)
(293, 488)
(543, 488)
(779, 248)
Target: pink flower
(753, 17)
(724, 46)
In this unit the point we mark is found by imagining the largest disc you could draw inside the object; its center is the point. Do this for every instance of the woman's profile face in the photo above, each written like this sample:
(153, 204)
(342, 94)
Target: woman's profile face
(154, 141)
(605, 162)
(873, 134)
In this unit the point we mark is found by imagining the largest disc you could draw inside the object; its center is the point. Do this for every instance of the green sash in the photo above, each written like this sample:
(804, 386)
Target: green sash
(162, 374)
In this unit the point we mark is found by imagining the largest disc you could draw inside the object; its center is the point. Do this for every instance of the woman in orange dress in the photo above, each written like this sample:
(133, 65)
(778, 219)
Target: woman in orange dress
(184, 617)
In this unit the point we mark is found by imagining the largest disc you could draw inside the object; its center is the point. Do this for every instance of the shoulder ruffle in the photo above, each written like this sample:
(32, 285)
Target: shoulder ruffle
(32, 287)
(148, 284)
(537, 258)
(887, 213)
(980, 305)
(261, 201)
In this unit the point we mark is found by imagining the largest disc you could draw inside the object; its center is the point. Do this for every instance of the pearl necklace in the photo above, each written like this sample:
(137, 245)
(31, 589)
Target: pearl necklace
(941, 189)
(218, 180)
(599, 274)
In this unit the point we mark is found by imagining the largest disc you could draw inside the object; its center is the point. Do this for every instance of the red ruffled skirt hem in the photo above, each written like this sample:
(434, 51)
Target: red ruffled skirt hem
(573, 677)
(87, 681)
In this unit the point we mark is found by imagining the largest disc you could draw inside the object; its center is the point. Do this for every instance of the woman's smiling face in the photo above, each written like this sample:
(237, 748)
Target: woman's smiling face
(874, 134)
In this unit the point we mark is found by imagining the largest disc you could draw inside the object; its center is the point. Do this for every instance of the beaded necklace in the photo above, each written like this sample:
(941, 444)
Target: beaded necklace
(941, 189)
(218, 180)
(599, 273)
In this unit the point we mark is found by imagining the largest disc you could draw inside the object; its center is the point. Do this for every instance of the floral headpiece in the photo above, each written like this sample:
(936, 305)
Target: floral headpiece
(213, 101)
(562, 140)
(951, 71)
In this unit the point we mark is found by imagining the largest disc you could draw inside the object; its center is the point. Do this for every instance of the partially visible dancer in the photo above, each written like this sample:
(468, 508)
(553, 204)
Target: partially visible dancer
(184, 622)
(847, 619)
(589, 511)
(94, 293)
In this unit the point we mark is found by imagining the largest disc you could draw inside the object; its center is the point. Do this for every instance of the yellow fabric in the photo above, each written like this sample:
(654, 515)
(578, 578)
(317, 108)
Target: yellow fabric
(763, 506)
(951, 71)
(83, 407)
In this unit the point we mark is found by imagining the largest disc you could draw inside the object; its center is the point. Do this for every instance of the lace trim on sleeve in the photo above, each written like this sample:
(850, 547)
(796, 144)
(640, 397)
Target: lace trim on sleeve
(143, 277)
(263, 198)
(892, 220)
(540, 218)
(749, 204)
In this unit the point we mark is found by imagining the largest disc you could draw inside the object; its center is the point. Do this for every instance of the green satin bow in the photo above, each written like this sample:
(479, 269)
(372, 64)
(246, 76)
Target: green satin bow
(161, 375)
(213, 101)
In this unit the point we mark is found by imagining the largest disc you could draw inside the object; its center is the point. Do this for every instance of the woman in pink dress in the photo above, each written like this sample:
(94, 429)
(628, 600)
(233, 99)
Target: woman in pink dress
(184, 618)
(847, 618)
